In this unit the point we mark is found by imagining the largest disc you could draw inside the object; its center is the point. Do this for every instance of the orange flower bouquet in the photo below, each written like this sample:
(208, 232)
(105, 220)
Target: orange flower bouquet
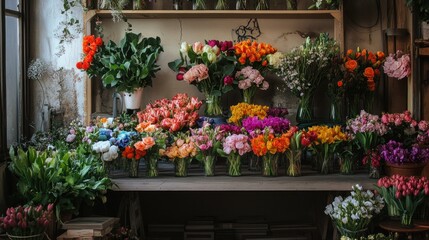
(268, 146)
(181, 152)
(134, 155)
(361, 73)
(254, 54)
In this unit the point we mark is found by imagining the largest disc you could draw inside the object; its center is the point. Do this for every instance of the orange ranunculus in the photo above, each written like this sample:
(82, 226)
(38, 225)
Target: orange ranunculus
(369, 73)
(148, 142)
(380, 55)
(103, 120)
(351, 65)
(340, 83)
(79, 65)
(371, 84)
(372, 58)
(142, 126)
(85, 65)
(349, 52)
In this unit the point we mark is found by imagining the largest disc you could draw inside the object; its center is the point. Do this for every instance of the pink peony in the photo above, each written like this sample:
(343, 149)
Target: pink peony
(397, 66)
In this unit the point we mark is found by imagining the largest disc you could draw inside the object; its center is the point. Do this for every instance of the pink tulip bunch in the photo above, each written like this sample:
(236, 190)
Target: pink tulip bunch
(172, 115)
(405, 186)
(27, 220)
(399, 119)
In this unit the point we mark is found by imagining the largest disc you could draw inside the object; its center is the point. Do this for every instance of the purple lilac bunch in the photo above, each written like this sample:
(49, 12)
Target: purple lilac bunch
(366, 123)
(395, 152)
(236, 143)
(274, 124)
(278, 112)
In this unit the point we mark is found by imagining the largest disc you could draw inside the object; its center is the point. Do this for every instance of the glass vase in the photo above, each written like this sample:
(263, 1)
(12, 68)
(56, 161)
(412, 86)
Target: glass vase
(138, 4)
(392, 211)
(270, 165)
(354, 106)
(304, 113)
(248, 95)
(152, 167)
(254, 163)
(213, 105)
(240, 5)
(291, 4)
(352, 234)
(294, 159)
(336, 112)
(209, 163)
(181, 167)
(406, 219)
(134, 168)
(221, 5)
(374, 172)
(326, 162)
(234, 164)
(346, 165)
(199, 5)
(263, 5)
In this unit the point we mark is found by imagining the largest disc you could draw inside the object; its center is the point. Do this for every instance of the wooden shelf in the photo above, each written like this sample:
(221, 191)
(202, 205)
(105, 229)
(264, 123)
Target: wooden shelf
(278, 14)
(248, 182)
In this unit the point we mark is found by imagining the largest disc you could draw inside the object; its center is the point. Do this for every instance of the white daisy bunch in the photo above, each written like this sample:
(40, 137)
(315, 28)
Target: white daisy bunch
(354, 212)
(304, 67)
(108, 152)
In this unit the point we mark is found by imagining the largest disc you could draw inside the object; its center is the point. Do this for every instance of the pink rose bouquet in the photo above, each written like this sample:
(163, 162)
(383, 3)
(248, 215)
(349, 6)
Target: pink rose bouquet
(207, 141)
(234, 147)
(248, 81)
(397, 65)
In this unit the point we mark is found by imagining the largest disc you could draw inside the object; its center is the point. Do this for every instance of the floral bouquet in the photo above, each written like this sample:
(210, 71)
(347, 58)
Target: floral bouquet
(27, 221)
(249, 80)
(207, 140)
(152, 140)
(254, 125)
(328, 138)
(179, 113)
(397, 65)
(235, 146)
(401, 127)
(269, 147)
(305, 67)
(299, 140)
(403, 194)
(366, 130)
(361, 72)
(394, 152)
(181, 152)
(353, 214)
(92, 50)
(209, 67)
(134, 155)
(243, 110)
(260, 56)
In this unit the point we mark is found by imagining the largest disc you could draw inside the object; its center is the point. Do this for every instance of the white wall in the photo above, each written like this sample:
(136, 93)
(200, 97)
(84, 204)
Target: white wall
(65, 91)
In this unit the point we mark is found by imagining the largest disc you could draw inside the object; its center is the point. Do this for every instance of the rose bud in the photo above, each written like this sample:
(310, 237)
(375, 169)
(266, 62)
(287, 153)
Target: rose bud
(179, 77)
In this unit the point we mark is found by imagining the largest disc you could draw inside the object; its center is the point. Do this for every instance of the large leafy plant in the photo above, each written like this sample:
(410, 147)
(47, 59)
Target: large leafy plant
(61, 177)
(131, 64)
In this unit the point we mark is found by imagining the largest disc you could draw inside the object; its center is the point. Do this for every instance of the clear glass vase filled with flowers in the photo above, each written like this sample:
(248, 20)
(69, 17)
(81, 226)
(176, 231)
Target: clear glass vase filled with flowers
(249, 80)
(234, 147)
(199, 5)
(263, 5)
(27, 222)
(299, 140)
(181, 152)
(210, 68)
(405, 194)
(222, 5)
(133, 155)
(352, 215)
(207, 140)
(304, 68)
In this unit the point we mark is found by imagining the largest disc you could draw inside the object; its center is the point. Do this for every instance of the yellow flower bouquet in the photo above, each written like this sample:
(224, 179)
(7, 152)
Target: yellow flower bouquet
(243, 110)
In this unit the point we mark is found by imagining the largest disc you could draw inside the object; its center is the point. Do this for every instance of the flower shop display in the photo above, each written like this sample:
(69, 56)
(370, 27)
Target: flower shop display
(63, 177)
(269, 147)
(234, 147)
(209, 66)
(304, 68)
(367, 130)
(181, 152)
(181, 112)
(27, 222)
(397, 65)
(404, 194)
(324, 147)
(361, 74)
(352, 215)
(249, 80)
(207, 140)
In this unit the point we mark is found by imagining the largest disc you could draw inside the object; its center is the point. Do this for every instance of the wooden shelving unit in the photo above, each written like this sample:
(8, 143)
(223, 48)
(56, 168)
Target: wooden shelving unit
(335, 15)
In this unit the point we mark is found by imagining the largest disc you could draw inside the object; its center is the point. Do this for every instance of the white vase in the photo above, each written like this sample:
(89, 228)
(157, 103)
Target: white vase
(133, 100)
(425, 30)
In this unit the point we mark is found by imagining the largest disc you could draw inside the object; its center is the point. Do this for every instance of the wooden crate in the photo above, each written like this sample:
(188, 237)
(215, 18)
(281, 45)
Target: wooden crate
(88, 228)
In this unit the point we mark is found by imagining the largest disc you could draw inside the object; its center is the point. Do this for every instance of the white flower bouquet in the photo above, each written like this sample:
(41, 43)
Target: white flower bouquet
(353, 214)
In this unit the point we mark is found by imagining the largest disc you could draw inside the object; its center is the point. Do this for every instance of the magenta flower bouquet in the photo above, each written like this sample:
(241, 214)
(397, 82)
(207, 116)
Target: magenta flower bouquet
(397, 65)
(248, 81)
(274, 124)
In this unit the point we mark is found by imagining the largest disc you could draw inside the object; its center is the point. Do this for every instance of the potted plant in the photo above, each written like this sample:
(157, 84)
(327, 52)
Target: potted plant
(421, 9)
(27, 222)
(131, 65)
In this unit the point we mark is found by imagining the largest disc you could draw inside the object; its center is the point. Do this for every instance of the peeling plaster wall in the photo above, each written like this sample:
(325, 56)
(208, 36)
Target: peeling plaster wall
(65, 86)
